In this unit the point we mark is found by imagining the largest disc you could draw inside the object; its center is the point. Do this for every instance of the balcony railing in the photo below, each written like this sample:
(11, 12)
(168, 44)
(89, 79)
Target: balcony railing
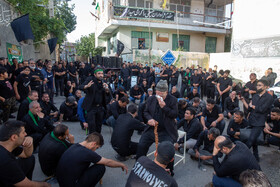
(171, 17)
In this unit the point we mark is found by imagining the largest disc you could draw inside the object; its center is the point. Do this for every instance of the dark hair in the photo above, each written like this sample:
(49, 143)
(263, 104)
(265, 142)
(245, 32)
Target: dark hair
(227, 71)
(226, 143)
(221, 72)
(276, 110)
(270, 69)
(239, 113)
(60, 130)
(265, 82)
(95, 137)
(211, 101)
(196, 100)
(254, 178)
(31, 92)
(181, 103)
(192, 111)
(45, 93)
(10, 128)
(124, 99)
(39, 64)
(132, 109)
(215, 132)
(194, 88)
(3, 70)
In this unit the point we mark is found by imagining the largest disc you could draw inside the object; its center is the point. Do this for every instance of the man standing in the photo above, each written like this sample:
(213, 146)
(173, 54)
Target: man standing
(124, 128)
(196, 80)
(259, 108)
(156, 169)
(59, 79)
(125, 75)
(22, 84)
(36, 77)
(271, 77)
(238, 159)
(210, 86)
(249, 90)
(161, 109)
(73, 170)
(223, 87)
(50, 82)
(94, 102)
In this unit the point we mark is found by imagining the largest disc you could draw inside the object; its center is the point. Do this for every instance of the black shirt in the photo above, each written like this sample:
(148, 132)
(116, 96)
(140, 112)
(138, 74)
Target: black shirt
(134, 92)
(193, 128)
(229, 105)
(236, 127)
(35, 72)
(147, 173)
(72, 70)
(50, 151)
(23, 81)
(125, 73)
(71, 167)
(213, 115)
(209, 81)
(251, 86)
(190, 95)
(66, 110)
(224, 83)
(47, 107)
(10, 171)
(59, 71)
(98, 99)
(134, 73)
(204, 140)
(6, 89)
(238, 160)
(276, 125)
(196, 79)
(115, 110)
(176, 94)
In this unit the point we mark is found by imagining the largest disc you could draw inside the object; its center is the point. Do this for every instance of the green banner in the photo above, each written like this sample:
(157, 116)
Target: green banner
(14, 51)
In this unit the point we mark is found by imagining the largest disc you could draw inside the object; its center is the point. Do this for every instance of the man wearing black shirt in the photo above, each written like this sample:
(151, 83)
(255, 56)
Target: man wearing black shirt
(124, 128)
(238, 159)
(156, 169)
(192, 127)
(22, 84)
(73, 170)
(68, 110)
(136, 92)
(83, 73)
(72, 71)
(134, 69)
(164, 73)
(205, 138)
(174, 74)
(52, 147)
(196, 80)
(59, 79)
(120, 93)
(238, 122)
(274, 132)
(48, 108)
(259, 108)
(174, 92)
(36, 77)
(224, 85)
(95, 101)
(249, 90)
(14, 143)
(210, 77)
(231, 105)
(193, 94)
(125, 75)
(24, 106)
(212, 116)
(115, 109)
(186, 77)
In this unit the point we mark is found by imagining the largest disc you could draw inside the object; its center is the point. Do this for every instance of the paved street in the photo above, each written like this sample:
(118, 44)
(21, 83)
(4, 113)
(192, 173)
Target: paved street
(186, 174)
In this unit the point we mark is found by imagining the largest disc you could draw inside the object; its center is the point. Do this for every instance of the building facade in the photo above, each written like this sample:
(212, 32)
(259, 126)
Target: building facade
(185, 25)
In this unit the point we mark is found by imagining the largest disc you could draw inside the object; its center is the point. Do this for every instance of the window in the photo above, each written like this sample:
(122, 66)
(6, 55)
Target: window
(184, 42)
(216, 14)
(116, 2)
(140, 40)
(148, 4)
(210, 44)
(140, 3)
(182, 6)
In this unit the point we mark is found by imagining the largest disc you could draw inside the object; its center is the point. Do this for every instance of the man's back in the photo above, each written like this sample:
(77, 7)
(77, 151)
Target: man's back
(147, 173)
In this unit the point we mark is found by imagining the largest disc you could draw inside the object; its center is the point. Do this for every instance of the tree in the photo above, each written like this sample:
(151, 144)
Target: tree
(86, 45)
(41, 23)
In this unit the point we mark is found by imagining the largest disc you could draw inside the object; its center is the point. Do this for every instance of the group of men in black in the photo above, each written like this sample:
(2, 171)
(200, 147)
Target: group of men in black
(169, 98)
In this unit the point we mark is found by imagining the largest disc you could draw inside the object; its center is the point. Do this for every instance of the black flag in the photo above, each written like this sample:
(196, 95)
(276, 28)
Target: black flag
(52, 43)
(120, 48)
(22, 28)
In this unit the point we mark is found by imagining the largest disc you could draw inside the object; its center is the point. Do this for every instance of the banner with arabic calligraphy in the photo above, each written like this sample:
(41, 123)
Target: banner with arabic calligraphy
(14, 51)
(131, 12)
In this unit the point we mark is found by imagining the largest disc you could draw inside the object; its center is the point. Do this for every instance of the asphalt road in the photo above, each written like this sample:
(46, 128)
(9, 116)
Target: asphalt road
(186, 174)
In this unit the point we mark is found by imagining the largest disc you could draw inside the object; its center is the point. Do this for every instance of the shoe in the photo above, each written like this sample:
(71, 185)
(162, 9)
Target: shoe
(181, 150)
(120, 158)
(12, 116)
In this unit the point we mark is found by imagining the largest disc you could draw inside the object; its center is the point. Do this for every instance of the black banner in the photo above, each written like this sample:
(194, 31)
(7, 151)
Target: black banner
(52, 44)
(22, 28)
(120, 47)
(129, 12)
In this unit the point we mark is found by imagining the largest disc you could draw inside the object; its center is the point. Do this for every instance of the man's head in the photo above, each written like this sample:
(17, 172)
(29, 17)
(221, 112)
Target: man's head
(26, 70)
(165, 153)
(135, 87)
(223, 144)
(150, 91)
(132, 109)
(262, 85)
(189, 114)
(70, 101)
(195, 72)
(162, 88)
(94, 141)
(123, 102)
(3, 73)
(33, 95)
(210, 104)
(35, 107)
(13, 131)
(238, 117)
(253, 76)
(61, 131)
(32, 64)
(196, 102)
(226, 73)
(195, 90)
(275, 114)
(254, 178)
(233, 95)
(46, 97)
(15, 61)
(213, 133)
(269, 70)
(174, 89)
(98, 73)
(2, 60)
(49, 67)
(78, 93)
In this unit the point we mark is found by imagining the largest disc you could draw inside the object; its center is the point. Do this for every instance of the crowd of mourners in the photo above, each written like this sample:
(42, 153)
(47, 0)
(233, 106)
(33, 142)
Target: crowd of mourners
(221, 117)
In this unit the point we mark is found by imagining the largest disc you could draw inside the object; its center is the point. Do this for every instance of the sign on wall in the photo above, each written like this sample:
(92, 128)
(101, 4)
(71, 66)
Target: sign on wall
(162, 37)
(131, 12)
(168, 58)
(14, 51)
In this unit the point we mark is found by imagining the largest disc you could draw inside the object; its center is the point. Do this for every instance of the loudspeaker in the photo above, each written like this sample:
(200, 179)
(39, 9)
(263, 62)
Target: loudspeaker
(113, 62)
(107, 62)
(119, 63)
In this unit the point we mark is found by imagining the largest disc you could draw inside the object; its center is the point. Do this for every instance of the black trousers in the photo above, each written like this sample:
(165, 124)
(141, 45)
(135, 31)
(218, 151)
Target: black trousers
(91, 176)
(127, 151)
(94, 119)
(59, 85)
(183, 88)
(27, 166)
(221, 99)
(255, 133)
(274, 141)
(210, 92)
(148, 138)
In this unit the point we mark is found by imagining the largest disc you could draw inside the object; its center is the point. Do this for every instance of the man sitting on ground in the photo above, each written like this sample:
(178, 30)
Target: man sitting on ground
(52, 147)
(205, 138)
(68, 110)
(231, 105)
(238, 159)
(156, 169)
(48, 108)
(174, 92)
(13, 142)
(198, 106)
(192, 127)
(24, 106)
(73, 170)
(193, 94)
(37, 124)
(115, 109)
(124, 128)
(238, 122)
(136, 92)
(274, 132)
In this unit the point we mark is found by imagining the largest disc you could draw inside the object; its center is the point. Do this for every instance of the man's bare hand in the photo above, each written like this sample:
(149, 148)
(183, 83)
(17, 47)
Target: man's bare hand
(152, 122)
(40, 114)
(161, 103)
(28, 141)
(70, 138)
(124, 168)
(213, 124)
(89, 84)
(85, 125)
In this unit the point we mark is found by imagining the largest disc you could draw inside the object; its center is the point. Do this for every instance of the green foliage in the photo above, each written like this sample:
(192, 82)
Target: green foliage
(86, 44)
(42, 24)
